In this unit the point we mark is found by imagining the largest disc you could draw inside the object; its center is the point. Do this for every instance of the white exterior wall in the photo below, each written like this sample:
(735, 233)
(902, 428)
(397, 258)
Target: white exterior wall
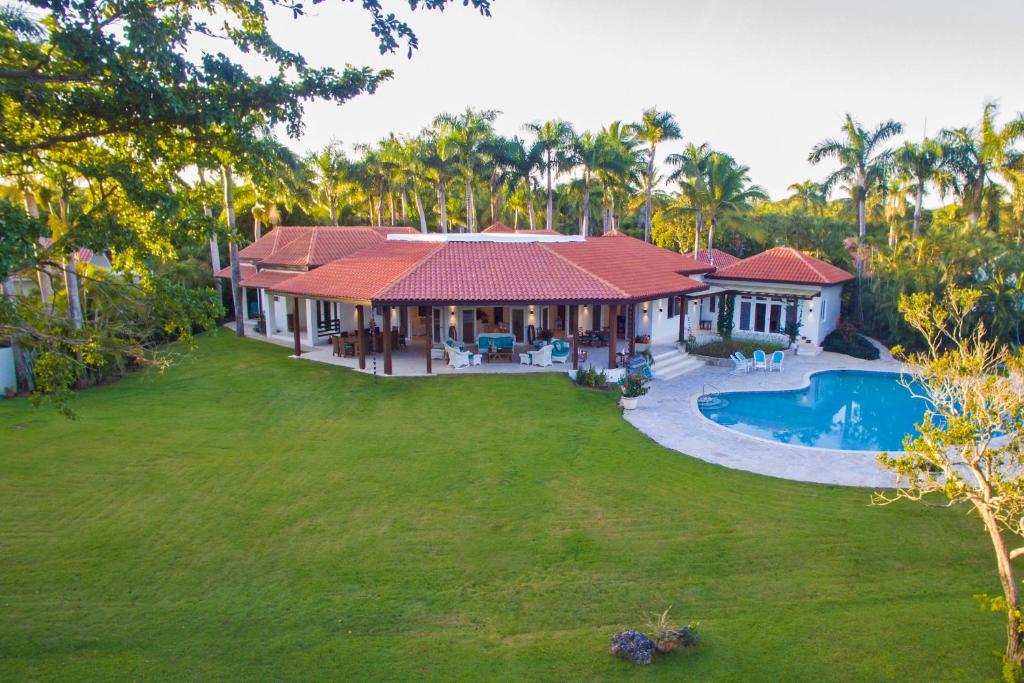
(656, 323)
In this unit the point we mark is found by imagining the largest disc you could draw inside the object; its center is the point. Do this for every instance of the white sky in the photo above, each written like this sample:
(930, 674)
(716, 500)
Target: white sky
(761, 80)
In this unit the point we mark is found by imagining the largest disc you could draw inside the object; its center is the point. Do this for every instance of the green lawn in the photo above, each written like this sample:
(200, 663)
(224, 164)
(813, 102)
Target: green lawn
(249, 516)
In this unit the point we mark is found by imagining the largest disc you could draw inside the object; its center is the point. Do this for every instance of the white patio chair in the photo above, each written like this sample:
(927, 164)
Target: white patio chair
(542, 357)
(760, 360)
(458, 359)
(740, 363)
(775, 363)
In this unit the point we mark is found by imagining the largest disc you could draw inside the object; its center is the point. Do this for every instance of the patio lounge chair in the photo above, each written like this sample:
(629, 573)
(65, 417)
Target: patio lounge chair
(561, 352)
(776, 361)
(740, 363)
(541, 358)
(460, 359)
(760, 361)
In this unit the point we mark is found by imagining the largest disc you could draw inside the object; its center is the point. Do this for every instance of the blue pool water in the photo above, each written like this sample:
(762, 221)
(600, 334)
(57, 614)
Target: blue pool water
(844, 409)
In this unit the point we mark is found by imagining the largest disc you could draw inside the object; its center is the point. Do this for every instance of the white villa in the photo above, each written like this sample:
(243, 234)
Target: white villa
(338, 289)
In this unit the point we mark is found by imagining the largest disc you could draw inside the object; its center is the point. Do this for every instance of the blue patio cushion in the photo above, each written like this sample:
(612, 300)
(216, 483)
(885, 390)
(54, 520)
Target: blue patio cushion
(562, 348)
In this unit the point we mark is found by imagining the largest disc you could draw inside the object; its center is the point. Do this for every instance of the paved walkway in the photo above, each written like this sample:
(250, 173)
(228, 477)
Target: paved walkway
(669, 415)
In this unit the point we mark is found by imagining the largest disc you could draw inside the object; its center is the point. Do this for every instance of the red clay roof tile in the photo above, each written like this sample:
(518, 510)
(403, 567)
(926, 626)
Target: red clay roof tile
(785, 265)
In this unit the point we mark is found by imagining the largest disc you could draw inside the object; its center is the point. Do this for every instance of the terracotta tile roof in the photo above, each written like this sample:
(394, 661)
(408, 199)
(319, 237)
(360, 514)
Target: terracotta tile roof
(267, 278)
(248, 270)
(314, 245)
(498, 227)
(637, 268)
(716, 257)
(786, 265)
(542, 231)
(272, 241)
(362, 275)
(498, 272)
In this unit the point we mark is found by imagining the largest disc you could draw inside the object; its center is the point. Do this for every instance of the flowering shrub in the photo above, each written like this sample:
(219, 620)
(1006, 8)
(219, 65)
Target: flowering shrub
(634, 384)
(633, 646)
(686, 636)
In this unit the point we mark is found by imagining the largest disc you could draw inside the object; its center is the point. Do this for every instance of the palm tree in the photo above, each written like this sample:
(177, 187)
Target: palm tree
(726, 190)
(328, 170)
(921, 163)
(654, 127)
(518, 164)
(620, 168)
(588, 152)
(465, 138)
(974, 155)
(809, 195)
(861, 161)
(439, 164)
(691, 171)
(553, 137)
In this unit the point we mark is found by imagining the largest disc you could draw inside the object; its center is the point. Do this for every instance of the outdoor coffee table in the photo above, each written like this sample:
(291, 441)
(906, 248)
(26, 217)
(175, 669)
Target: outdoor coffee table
(499, 354)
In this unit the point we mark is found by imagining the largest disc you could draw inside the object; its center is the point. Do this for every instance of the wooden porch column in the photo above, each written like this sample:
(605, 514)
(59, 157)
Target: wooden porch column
(681, 312)
(387, 339)
(632, 329)
(430, 349)
(295, 326)
(613, 331)
(362, 336)
(574, 313)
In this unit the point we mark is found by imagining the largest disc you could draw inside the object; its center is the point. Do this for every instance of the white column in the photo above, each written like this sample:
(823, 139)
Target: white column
(311, 322)
(268, 312)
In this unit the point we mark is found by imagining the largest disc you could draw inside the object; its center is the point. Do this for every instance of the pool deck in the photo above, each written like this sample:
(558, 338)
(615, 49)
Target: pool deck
(669, 415)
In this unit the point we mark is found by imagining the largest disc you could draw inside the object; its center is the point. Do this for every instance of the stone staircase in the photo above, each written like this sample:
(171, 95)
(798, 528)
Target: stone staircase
(672, 362)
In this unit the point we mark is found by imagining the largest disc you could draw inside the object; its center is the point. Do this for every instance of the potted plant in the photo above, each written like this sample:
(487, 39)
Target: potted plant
(634, 385)
(668, 638)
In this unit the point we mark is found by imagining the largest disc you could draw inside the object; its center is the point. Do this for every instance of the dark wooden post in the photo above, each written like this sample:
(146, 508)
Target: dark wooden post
(295, 326)
(682, 312)
(574, 313)
(632, 329)
(430, 348)
(362, 336)
(613, 331)
(387, 339)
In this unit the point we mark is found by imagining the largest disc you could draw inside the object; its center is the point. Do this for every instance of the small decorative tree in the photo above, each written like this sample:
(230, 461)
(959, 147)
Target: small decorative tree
(725, 315)
(970, 448)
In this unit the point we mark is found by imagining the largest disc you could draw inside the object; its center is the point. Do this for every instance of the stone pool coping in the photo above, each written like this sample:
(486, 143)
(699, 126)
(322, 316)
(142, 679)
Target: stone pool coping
(669, 415)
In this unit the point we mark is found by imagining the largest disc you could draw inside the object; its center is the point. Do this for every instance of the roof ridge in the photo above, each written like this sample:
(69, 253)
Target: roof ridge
(584, 270)
(309, 248)
(415, 267)
(810, 262)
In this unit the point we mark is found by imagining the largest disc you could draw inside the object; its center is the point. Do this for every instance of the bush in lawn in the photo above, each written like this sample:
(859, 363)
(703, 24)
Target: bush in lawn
(633, 646)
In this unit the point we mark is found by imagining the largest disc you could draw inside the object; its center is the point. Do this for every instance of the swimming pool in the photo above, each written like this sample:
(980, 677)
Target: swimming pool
(840, 409)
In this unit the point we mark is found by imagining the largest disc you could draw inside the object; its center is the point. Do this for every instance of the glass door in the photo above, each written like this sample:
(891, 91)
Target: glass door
(519, 324)
(436, 324)
(469, 325)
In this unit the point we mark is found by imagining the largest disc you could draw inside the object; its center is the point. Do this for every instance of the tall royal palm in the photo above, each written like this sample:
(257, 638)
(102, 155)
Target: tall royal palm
(808, 195)
(654, 127)
(973, 155)
(861, 160)
(553, 137)
(921, 164)
(466, 134)
(726, 191)
(691, 167)
(589, 152)
(521, 161)
(439, 164)
(327, 171)
(619, 169)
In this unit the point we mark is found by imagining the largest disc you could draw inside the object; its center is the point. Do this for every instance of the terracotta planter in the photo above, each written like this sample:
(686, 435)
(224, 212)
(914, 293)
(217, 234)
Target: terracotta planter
(665, 646)
(629, 402)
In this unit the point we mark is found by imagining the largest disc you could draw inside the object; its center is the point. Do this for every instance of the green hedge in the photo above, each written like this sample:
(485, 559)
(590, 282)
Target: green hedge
(726, 347)
(855, 345)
